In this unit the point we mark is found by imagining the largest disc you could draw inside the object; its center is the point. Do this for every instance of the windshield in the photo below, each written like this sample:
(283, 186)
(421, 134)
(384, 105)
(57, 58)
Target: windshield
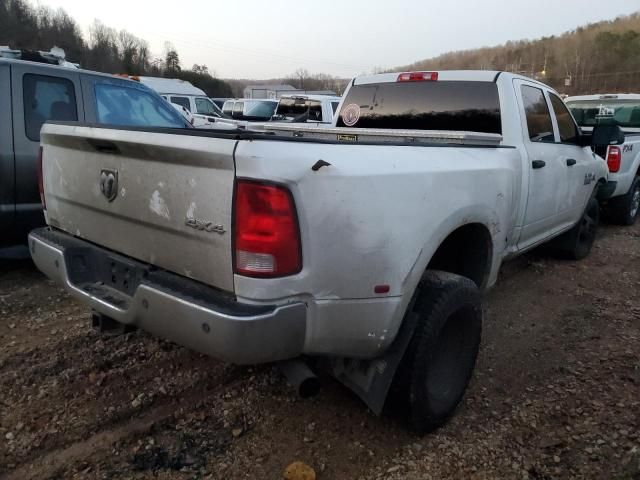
(204, 106)
(131, 106)
(589, 113)
(261, 110)
(435, 105)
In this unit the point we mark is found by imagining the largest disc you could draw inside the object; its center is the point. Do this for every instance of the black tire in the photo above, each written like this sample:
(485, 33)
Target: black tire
(442, 353)
(624, 210)
(577, 242)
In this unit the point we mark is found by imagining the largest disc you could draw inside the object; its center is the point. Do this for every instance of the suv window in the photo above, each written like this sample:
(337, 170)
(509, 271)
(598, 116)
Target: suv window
(537, 113)
(46, 98)
(431, 105)
(182, 101)
(120, 105)
(238, 107)
(567, 127)
(334, 106)
(227, 108)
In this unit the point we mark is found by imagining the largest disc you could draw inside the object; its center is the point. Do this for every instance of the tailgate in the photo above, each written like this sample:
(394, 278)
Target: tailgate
(161, 198)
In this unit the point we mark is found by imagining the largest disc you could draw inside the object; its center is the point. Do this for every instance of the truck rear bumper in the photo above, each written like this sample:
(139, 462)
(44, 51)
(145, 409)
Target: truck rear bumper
(168, 305)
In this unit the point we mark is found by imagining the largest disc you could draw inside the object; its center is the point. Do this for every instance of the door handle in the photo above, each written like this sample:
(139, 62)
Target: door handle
(570, 162)
(538, 163)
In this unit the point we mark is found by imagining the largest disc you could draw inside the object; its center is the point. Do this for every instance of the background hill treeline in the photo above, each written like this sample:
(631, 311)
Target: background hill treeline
(603, 56)
(25, 26)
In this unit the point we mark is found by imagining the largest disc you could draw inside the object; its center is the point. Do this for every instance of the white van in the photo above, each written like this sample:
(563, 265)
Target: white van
(183, 93)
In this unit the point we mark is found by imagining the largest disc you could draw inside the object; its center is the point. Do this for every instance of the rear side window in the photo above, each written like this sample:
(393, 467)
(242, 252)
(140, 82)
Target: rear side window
(227, 108)
(566, 125)
(237, 109)
(334, 106)
(182, 101)
(120, 105)
(446, 105)
(538, 117)
(47, 98)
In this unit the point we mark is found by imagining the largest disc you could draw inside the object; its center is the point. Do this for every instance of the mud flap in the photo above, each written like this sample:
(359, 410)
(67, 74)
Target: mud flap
(371, 379)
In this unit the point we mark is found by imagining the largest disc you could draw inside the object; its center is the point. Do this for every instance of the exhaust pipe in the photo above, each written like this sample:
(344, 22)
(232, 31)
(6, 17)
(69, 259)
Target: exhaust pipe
(300, 377)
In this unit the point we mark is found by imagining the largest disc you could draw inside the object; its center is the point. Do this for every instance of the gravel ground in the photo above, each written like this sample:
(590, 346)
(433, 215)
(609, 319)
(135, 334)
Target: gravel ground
(556, 393)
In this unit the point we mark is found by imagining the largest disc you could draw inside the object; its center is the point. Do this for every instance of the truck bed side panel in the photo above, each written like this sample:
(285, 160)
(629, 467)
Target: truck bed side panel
(370, 215)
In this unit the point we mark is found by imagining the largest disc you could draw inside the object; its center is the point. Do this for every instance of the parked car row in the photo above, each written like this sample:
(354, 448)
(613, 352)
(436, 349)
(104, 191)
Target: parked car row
(365, 244)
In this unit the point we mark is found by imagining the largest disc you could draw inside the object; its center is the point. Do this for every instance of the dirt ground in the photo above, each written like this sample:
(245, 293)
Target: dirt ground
(556, 393)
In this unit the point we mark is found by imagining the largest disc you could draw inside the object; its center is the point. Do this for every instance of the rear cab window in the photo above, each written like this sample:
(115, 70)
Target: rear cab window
(294, 107)
(606, 111)
(47, 98)
(117, 104)
(537, 114)
(430, 105)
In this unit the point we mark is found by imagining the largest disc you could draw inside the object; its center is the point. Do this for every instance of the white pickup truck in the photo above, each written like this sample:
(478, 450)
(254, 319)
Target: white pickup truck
(364, 246)
(621, 196)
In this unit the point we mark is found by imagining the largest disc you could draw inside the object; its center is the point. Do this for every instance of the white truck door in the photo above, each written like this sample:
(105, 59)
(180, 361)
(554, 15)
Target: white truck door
(578, 160)
(548, 186)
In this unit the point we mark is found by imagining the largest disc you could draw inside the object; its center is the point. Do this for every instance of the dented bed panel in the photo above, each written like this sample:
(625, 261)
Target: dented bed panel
(160, 198)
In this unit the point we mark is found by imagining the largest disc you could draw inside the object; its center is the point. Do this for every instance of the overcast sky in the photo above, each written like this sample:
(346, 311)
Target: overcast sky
(273, 38)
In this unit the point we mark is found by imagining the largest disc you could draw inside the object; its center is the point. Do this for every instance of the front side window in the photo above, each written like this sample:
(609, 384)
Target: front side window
(537, 113)
(47, 98)
(567, 127)
(122, 105)
(204, 106)
(182, 101)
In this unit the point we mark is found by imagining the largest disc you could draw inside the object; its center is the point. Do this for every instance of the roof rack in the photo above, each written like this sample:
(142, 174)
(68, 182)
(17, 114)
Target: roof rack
(55, 56)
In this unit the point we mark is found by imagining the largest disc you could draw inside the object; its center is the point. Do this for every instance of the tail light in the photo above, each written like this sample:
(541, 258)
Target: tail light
(41, 180)
(614, 158)
(418, 77)
(266, 232)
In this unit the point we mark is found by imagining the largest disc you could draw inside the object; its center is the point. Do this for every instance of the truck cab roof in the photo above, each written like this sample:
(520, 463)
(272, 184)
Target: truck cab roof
(441, 75)
(603, 96)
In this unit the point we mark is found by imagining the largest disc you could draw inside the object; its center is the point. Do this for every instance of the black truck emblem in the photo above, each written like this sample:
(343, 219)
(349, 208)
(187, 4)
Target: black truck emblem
(109, 184)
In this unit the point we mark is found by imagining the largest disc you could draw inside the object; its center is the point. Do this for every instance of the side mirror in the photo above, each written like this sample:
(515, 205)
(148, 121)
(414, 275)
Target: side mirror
(605, 135)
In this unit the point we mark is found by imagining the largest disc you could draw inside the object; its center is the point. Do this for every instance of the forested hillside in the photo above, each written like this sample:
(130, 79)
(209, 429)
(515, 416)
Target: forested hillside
(604, 56)
(23, 25)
